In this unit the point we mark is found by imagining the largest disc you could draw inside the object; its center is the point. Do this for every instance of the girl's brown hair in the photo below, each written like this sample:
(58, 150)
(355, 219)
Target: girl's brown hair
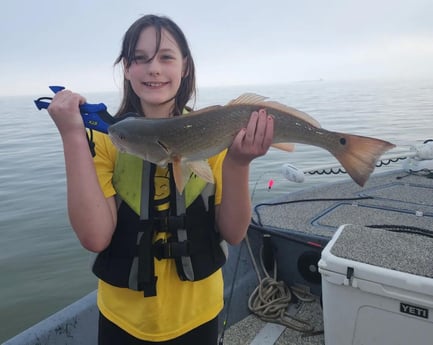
(187, 89)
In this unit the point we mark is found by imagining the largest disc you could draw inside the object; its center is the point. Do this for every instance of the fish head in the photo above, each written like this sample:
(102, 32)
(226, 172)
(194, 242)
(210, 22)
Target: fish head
(131, 137)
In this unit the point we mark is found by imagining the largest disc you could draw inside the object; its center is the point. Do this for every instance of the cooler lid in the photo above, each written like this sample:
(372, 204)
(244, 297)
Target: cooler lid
(394, 258)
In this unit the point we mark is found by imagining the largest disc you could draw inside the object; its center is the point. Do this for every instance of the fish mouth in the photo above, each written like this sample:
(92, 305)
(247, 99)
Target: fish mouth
(116, 139)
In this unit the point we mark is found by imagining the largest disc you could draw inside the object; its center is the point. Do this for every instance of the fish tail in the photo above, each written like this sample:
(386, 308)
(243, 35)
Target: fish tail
(358, 155)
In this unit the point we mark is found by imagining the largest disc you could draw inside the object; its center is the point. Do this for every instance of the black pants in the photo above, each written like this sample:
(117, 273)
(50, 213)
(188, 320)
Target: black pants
(110, 334)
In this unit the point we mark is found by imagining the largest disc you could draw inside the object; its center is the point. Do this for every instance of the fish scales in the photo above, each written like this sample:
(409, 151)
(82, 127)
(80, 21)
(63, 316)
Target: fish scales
(206, 132)
(214, 130)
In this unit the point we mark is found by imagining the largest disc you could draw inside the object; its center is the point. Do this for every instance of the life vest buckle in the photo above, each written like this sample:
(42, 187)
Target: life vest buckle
(168, 250)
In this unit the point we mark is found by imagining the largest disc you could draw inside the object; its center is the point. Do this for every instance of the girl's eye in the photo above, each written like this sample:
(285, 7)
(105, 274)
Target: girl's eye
(140, 59)
(167, 57)
(144, 59)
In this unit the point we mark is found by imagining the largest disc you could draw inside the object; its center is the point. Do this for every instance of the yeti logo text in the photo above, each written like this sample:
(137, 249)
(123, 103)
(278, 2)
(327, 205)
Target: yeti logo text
(414, 310)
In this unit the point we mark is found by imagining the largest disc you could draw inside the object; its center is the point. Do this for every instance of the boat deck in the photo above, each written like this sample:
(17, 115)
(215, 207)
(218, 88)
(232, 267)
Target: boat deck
(253, 331)
(393, 198)
(303, 222)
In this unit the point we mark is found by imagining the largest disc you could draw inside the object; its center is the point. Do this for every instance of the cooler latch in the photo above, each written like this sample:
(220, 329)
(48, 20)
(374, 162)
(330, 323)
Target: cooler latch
(349, 275)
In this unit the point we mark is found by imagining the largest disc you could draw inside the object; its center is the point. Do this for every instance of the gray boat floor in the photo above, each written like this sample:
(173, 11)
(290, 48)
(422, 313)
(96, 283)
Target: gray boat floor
(390, 198)
(252, 329)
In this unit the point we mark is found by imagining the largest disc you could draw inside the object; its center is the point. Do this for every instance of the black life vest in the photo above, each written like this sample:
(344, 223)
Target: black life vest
(194, 243)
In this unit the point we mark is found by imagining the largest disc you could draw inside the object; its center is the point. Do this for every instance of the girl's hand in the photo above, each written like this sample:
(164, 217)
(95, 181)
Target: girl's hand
(65, 112)
(253, 141)
(233, 214)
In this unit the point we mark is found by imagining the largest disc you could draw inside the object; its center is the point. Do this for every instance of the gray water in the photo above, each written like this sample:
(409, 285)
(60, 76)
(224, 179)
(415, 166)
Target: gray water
(42, 266)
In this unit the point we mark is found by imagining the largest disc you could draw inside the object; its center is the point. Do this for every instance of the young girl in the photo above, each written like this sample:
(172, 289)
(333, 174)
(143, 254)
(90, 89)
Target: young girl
(153, 288)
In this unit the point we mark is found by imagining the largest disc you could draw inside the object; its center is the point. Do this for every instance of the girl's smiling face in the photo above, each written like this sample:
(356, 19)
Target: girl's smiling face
(156, 72)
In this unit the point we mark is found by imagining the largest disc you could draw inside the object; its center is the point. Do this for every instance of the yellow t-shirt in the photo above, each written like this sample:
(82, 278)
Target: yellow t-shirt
(179, 306)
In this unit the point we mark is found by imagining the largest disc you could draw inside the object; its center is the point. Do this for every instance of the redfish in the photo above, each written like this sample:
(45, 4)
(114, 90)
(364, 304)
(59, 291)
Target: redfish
(188, 140)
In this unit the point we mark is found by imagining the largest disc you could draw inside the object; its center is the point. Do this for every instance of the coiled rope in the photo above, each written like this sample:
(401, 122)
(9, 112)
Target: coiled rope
(271, 298)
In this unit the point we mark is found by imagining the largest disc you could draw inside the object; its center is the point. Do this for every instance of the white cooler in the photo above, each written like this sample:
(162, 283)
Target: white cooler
(377, 287)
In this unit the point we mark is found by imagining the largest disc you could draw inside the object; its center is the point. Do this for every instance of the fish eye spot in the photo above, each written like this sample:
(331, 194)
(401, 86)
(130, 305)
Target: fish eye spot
(343, 141)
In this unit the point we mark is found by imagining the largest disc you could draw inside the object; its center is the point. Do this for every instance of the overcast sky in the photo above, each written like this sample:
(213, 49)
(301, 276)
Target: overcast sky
(75, 42)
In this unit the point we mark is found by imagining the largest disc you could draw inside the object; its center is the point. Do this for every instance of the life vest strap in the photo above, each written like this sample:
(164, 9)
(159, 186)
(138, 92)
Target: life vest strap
(146, 279)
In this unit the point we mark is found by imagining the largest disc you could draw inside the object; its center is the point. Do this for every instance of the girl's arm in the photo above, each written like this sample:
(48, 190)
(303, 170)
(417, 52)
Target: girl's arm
(93, 217)
(233, 215)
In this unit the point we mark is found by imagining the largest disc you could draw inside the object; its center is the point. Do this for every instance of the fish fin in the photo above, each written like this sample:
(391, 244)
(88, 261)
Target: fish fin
(358, 155)
(289, 147)
(181, 174)
(260, 101)
(202, 169)
(248, 98)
